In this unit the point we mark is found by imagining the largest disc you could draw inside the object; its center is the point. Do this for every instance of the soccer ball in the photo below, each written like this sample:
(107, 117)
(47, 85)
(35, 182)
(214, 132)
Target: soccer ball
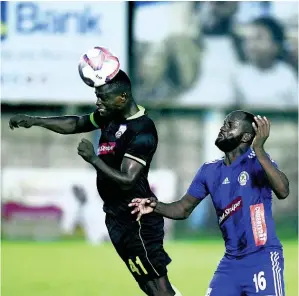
(98, 66)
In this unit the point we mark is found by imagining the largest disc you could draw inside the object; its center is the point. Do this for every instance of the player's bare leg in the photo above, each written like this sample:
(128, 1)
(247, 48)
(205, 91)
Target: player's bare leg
(159, 287)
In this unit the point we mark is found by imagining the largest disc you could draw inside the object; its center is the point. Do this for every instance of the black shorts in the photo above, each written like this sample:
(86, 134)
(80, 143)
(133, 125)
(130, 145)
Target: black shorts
(140, 245)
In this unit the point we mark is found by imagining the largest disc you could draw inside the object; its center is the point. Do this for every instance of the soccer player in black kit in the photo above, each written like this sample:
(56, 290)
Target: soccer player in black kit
(126, 147)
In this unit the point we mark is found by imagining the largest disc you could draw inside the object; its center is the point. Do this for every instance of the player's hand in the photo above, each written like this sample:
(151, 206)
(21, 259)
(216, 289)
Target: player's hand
(143, 206)
(262, 131)
(21, 120)
(85, 149)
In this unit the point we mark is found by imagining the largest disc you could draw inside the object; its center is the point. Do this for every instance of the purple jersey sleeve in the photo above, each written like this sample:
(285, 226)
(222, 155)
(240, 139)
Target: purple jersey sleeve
(198, 187)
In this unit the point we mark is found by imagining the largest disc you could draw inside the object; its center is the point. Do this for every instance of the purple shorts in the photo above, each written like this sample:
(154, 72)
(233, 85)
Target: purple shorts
(257, 274)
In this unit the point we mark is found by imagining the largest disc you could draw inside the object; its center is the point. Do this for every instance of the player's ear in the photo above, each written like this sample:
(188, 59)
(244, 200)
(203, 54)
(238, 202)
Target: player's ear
(121, 99)
(247, 137)
(124, 97)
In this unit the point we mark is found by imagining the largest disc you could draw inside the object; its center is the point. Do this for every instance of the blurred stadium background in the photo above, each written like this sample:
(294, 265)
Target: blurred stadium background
(191, 63)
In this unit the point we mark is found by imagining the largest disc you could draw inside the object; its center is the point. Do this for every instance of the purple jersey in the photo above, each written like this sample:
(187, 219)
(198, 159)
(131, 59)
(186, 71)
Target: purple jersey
(242, 198)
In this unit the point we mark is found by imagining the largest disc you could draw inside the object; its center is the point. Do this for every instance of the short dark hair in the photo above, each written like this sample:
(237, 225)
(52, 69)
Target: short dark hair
(248, 120)
(275, 28)
(119, 84)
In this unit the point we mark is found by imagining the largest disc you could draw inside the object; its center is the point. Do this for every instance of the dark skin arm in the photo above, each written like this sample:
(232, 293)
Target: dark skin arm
(129, 171)
(278, 181)
(127, 176)
(60, 124)
(177, 210)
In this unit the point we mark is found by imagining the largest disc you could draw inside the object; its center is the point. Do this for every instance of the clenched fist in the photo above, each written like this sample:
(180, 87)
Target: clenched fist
(86, 151)
(21, 120)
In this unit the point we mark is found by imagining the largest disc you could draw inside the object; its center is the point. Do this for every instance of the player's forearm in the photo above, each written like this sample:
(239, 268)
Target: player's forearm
(59, 124)
(277, 179)
(122, 179)
(174, 210)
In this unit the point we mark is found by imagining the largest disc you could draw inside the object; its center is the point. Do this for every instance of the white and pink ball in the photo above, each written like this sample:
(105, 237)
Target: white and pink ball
(98, 66)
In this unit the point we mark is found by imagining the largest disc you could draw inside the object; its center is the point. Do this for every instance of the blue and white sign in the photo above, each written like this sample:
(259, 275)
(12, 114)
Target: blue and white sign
(42, 42)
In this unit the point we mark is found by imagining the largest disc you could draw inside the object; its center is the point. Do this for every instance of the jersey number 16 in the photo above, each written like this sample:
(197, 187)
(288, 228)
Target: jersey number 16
(259, 281)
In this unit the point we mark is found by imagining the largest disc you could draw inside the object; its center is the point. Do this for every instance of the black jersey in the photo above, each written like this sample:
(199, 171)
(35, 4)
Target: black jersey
(136, 138)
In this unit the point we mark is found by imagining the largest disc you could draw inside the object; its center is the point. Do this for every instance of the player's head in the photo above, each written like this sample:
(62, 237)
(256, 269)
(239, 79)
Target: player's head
(236, 131)
(264, 41)
(115, 95)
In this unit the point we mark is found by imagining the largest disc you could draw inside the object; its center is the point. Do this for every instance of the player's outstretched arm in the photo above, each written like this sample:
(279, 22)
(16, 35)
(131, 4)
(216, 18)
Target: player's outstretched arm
(60, 124)
(278, 181)
(177, 210)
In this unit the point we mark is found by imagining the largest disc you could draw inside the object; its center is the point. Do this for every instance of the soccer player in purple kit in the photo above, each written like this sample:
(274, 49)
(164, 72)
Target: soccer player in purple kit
(240, 185)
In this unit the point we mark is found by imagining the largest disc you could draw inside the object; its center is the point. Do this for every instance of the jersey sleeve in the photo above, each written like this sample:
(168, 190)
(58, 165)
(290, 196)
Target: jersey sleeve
(96, 119)
(198, 187)
(142, 147)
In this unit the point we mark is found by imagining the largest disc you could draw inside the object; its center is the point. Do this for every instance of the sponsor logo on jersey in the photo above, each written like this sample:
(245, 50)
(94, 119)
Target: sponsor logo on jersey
(243, 178)
(121, 130)
(226, 181)
(230, 209)
(258, 222)
(106, 148)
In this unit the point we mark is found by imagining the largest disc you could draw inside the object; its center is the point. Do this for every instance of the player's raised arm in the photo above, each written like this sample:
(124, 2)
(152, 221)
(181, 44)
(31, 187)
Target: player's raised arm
(177, 210)
(69, 124)
(278, 181)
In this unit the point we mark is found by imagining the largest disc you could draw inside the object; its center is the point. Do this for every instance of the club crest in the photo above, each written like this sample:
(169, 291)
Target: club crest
(243, 178)
(121, 130)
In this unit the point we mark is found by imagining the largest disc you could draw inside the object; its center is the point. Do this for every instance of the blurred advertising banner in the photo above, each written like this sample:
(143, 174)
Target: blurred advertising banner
(216, 53)
(41, 43)
(40, 203)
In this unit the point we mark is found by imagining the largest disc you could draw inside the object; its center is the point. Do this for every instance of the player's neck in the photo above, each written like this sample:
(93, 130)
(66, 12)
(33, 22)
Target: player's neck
(231, 156)
(130, 110)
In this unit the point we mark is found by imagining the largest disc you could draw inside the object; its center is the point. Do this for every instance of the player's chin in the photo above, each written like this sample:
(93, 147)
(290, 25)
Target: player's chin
(218, 141)
(222, 145)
